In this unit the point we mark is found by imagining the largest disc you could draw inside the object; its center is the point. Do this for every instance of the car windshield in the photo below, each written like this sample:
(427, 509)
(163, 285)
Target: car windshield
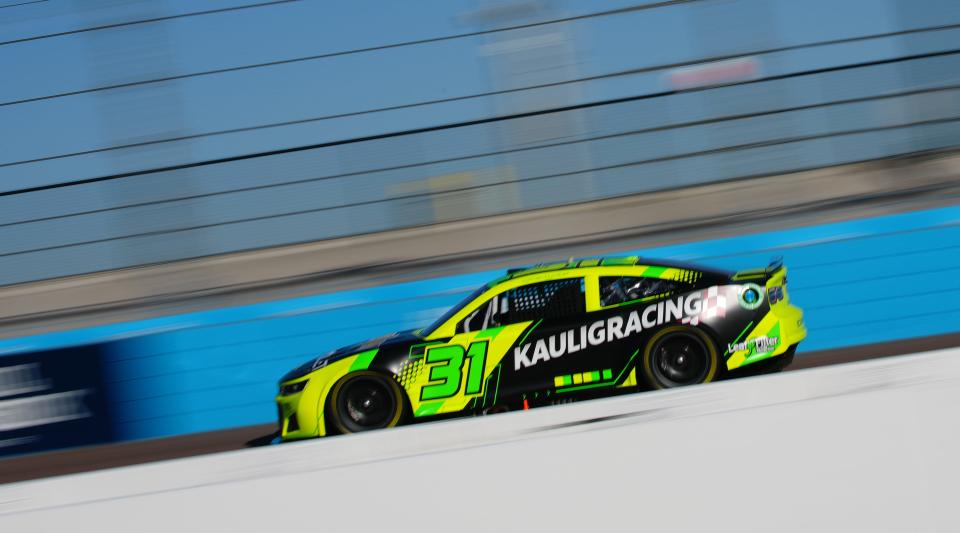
(453, 310)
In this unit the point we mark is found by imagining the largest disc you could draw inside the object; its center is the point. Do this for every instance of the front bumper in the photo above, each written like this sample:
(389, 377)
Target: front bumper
(301, 415)
(297, 415)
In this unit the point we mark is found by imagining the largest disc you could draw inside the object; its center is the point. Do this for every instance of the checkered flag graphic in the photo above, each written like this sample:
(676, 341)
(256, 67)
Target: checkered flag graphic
(713, 304)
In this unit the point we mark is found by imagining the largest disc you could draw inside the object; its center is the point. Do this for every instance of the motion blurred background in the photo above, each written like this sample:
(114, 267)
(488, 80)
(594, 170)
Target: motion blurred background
(197, 196)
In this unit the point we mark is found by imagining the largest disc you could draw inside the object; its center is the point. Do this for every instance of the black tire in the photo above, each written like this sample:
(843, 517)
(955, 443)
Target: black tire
(365, 401)
(678, 356)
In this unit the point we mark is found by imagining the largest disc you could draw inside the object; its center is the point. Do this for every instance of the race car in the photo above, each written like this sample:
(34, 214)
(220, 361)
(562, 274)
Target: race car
(551, 334)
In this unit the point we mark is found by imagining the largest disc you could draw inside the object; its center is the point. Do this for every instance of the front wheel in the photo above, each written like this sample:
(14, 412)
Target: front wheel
(364, 401)
(678, 356)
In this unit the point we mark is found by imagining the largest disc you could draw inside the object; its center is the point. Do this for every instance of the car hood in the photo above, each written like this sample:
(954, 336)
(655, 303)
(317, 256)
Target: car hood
(346, 351)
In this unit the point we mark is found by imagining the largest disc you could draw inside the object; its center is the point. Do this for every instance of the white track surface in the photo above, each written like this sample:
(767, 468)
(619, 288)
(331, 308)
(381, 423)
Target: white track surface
(871, 447)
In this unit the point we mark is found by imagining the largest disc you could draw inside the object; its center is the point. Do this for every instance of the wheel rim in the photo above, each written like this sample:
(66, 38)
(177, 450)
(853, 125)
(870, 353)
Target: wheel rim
(681, 359)
(366, 403)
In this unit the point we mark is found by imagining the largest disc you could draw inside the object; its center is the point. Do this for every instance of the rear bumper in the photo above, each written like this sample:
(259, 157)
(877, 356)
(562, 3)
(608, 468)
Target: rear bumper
(778, 333)
(792, 328)
(770, 365)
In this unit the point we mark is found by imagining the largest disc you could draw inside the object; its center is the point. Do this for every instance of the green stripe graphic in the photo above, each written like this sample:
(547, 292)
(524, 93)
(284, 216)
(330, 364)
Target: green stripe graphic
(363, 360)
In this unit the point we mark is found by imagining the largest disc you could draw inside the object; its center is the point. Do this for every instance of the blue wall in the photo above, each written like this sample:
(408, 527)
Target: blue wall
(835, 81)
(862, 281)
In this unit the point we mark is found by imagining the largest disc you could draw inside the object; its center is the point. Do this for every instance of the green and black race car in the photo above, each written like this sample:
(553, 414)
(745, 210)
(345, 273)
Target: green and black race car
(551, 334)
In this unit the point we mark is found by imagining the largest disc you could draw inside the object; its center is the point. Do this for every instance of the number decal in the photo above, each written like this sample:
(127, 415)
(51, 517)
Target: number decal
(446, 372)
(450, 359)
(775, 294)
(477, 354)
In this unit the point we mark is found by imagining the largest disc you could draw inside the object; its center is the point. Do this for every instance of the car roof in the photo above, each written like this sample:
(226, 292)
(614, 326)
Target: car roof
(600, 262)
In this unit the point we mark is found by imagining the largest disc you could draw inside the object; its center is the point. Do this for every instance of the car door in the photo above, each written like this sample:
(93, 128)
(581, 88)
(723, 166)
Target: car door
(574, 351)
(552, 343)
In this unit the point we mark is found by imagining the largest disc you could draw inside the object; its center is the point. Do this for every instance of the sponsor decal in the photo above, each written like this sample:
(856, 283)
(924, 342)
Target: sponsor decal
(688, 309)
(751, 296)
(52, 399)
(714, 305)
(755, 346)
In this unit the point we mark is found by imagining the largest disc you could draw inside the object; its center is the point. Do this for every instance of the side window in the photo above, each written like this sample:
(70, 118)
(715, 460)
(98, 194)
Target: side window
(488, 315)
(618, 290)
(550, 299)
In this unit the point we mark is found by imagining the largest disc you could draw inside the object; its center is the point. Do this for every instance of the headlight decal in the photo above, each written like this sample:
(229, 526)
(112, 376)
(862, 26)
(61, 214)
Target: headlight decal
(293, 388)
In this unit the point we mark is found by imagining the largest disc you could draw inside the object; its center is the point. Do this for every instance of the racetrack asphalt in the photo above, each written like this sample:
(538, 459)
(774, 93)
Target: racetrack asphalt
(87, 459)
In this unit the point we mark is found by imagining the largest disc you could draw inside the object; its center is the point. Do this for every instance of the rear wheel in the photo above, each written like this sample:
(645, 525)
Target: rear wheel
(364, 401)
(678, 356)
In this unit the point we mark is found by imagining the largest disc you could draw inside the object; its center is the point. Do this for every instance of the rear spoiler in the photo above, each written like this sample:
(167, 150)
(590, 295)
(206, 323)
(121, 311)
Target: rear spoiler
(754, 274)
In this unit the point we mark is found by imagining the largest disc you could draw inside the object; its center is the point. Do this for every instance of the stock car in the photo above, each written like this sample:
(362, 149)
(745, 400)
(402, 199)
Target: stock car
(552, 334)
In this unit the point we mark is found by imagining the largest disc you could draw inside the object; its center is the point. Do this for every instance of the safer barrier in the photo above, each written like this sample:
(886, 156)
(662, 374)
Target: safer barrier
(861, 447)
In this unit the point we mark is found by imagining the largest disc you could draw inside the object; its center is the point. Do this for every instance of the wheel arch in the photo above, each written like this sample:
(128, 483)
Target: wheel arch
(325, 408)
(646, 371)
(718, 345)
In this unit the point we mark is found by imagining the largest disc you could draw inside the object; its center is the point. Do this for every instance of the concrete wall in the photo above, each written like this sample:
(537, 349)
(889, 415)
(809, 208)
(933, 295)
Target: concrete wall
(864, 447)
(624, 100)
